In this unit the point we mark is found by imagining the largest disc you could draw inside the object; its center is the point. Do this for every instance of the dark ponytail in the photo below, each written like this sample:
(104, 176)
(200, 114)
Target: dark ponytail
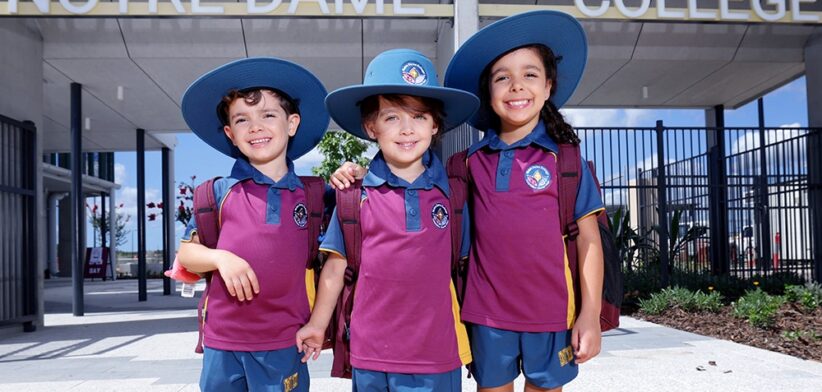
(556, 127)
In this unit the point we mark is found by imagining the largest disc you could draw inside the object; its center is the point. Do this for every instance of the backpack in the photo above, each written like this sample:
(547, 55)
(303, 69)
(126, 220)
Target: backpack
(569, 169)
(348, 213)
(206, 215)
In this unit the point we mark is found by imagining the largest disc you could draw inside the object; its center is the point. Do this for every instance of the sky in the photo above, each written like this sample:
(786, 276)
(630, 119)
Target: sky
(784, 107)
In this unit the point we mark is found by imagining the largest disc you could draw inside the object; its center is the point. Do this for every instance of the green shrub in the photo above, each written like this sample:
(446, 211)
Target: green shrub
(758, 307)
(808, 335)
(682, 298)
(809, 295)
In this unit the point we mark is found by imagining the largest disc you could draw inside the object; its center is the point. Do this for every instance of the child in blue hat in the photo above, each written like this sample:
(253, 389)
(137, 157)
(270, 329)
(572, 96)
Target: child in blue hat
(405, 332)
(520, 298)
(264, 112)
(520, 301)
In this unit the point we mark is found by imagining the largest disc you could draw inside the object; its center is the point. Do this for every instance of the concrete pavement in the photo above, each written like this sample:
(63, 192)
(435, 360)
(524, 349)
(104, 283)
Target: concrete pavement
(125, 345)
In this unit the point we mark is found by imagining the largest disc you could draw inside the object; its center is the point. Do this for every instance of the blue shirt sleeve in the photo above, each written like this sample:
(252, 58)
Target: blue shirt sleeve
(465, 246)
(588, 197)
(333, 241)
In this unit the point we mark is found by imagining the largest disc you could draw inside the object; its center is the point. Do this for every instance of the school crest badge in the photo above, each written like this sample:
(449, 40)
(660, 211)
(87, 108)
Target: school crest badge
(300, 215)
(439, 214)
(537, 177)
(413, 73)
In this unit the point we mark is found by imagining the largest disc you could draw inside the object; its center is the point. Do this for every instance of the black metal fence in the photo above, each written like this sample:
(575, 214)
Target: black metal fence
(732, 201)
(18, 231)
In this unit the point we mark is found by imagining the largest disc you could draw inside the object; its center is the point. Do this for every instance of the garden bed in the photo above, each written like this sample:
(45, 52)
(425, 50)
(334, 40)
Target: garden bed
(796, 331)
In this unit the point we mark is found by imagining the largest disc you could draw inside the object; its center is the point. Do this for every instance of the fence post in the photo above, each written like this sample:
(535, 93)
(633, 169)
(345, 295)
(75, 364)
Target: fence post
(662, 206)
(762, 209)
(717, 191)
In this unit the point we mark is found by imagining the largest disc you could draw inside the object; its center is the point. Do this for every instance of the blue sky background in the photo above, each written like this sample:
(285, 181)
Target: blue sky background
(784, 107)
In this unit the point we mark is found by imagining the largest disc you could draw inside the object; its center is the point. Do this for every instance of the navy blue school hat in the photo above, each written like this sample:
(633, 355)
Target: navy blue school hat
(559, 31)
(399, 71)
(201, 99)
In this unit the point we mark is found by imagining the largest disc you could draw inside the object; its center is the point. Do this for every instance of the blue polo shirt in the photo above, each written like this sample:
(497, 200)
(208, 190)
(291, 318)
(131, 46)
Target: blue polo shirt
(520, 278)
(406, 316)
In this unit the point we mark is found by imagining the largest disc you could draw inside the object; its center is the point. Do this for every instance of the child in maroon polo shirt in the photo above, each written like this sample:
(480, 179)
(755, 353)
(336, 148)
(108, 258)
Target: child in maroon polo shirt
(519, 296)
(264, 112)
(405, 328)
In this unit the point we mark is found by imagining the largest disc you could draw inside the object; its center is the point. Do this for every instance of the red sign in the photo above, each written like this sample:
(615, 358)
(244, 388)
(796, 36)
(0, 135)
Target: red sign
(96, 263)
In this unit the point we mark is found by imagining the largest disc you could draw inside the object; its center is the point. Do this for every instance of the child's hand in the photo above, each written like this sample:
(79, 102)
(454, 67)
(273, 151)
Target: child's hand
(347, 173)
(238, 276)
(586, 338)
(310, 341)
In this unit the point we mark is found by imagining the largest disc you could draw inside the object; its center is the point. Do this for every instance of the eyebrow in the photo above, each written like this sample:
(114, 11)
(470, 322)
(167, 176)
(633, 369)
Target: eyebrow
(527, 67)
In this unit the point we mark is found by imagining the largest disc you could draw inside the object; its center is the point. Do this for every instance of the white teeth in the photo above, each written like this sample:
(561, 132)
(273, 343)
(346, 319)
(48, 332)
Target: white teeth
(257, 141)
(518, 103)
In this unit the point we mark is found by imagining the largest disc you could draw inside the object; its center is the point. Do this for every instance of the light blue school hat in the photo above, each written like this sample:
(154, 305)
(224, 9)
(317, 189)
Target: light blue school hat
(399, 71)
(557, 30)
(201, 99)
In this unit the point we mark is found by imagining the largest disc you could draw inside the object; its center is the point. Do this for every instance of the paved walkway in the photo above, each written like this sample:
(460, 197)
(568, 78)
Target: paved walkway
(125, 345)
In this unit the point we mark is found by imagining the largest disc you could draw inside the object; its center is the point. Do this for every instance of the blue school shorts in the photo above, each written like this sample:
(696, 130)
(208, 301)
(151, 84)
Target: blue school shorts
(546, 358)
(371, 381)
(274, 371)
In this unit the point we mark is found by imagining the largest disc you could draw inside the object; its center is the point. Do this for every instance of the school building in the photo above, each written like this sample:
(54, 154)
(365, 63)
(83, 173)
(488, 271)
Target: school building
(81, 79)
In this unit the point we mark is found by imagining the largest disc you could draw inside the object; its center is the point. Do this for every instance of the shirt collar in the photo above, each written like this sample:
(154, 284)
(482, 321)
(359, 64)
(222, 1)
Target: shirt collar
(243, 170)
(434, 175)
(538, 136)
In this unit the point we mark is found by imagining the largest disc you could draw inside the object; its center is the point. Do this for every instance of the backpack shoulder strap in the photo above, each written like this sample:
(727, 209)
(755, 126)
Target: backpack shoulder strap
(314, 190)
(457, 168)
(569, 168)
(348, 213)
(205, 213)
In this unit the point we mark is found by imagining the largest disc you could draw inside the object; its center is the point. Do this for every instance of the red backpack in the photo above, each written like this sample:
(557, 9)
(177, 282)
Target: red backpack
(206, 215)
(348, 213)
(569, 168)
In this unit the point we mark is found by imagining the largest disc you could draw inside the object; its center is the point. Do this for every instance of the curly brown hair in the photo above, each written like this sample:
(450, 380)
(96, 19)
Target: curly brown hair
(370, 107)
(253, 96)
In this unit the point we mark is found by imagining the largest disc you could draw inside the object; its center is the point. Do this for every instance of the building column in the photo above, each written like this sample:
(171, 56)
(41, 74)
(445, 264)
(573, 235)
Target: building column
(717, 189)
(78, 200)
(813, 86)
(142, 284)
(169, 243)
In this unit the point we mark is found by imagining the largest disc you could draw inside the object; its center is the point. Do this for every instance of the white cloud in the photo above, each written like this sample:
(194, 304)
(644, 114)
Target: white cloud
(128, 197)
(304, 164)
(596, 118)
(120, 175)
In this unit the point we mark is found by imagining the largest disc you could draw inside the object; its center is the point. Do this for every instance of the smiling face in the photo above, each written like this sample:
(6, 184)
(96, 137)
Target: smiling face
(403, 128)
(518, 87)
(260, 126)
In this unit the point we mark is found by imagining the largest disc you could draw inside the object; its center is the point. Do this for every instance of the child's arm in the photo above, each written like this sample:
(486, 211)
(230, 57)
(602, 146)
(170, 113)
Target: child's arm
(586, 337)
(238, 276)
(310, 337)
(346, 174)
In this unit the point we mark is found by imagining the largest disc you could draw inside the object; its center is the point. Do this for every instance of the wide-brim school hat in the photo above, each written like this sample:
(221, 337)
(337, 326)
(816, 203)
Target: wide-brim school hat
(559, 31)
(404, 72)
(201, 99)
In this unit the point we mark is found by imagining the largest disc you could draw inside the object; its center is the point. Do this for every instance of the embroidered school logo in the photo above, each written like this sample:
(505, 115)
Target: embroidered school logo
(439, 214)
(537, 177)
(413, 73)
(300, 215)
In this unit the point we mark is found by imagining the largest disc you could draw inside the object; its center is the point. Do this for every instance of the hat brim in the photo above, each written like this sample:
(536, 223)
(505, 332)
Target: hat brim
(561, 32)
(200, 101)
(344, 104)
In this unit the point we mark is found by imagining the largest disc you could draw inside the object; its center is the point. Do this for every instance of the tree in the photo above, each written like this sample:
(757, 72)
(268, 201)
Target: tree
(183, 212)
(120, 231)
(338, 147)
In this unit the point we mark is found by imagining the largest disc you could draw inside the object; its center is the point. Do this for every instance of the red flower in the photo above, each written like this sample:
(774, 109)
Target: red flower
(160, 205)
(182, 190)
(151, 205)
(152, 217)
